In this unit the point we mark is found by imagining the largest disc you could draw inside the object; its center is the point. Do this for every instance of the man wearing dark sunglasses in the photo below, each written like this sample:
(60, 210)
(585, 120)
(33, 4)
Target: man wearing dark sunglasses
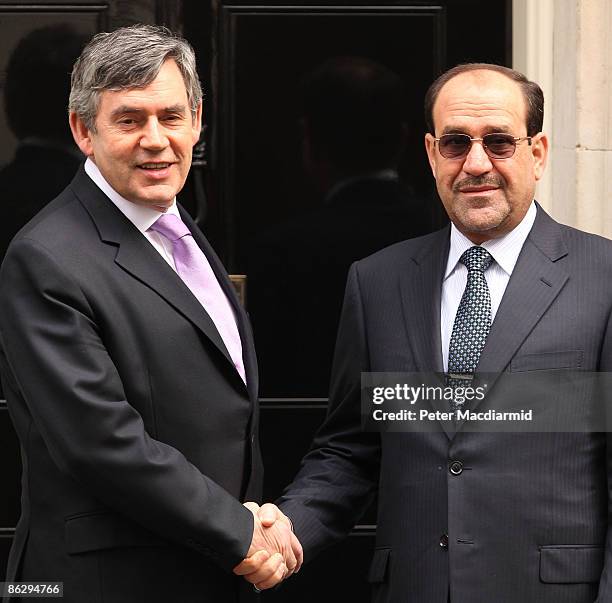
(467, 516)
(486, 150)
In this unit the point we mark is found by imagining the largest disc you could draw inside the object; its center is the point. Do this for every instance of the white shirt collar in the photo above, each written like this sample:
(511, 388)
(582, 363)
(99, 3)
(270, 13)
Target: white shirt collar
(505, 250)
(140, 216)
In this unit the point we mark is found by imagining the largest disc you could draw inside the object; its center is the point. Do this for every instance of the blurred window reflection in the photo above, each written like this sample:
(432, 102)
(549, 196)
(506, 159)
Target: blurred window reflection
(353, 132)
(36, 88)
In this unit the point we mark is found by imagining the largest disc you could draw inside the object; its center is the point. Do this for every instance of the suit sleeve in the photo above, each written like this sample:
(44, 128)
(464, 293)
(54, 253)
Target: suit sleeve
(605, 582)
(75, 398)
(339, 475)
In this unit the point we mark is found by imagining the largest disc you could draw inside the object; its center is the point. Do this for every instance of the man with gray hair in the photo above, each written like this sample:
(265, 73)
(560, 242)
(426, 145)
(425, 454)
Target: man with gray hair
(127, 360)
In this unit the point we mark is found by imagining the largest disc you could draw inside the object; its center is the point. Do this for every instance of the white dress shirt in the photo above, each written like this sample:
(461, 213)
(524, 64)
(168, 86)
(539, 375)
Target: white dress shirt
(141, 216)
(505, 251)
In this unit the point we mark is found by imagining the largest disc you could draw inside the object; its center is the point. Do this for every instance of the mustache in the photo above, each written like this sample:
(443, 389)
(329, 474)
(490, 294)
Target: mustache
(489, 180)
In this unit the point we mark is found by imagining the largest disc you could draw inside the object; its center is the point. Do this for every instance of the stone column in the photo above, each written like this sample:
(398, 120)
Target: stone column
(566, 46)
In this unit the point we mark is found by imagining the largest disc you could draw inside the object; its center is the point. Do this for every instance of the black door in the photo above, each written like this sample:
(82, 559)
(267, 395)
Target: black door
(263, 210)
(278, 228)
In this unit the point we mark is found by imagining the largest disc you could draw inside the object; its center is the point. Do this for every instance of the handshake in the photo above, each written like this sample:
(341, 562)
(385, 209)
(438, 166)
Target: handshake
(275, 553)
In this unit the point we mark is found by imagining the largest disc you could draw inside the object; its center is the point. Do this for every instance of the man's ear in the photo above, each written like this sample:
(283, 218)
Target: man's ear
(81, 134)
(539, 150)
(430, 147)
(196, 126)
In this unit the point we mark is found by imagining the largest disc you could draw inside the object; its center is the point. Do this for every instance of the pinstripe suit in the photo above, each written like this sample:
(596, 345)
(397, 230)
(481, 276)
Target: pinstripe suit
(526, 519)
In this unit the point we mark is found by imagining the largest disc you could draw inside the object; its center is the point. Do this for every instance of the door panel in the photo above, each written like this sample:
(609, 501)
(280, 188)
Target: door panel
(271, 223)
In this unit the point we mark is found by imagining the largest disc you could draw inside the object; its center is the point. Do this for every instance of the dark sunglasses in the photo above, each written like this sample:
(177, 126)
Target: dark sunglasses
(496, 146)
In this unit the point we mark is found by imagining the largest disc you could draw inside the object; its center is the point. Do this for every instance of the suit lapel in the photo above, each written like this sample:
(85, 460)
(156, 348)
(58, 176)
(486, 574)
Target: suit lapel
(536, 281)
(248, 348)
(140, 259)
(421, 292)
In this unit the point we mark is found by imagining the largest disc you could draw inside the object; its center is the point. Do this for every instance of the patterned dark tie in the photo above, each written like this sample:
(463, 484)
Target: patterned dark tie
(472, 322)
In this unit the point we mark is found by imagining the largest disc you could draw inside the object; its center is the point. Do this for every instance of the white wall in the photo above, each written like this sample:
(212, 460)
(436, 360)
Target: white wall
(566, 46)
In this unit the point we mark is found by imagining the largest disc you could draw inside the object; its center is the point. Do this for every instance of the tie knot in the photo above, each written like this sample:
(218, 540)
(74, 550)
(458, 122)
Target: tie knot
(171, 226)
(476, 258)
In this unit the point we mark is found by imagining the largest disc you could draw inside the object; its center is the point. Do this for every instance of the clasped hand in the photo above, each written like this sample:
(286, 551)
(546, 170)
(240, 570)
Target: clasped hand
(275, 552)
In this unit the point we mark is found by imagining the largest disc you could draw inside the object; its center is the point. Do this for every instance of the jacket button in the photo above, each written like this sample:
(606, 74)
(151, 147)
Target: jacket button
(444, 541)
(456, 467)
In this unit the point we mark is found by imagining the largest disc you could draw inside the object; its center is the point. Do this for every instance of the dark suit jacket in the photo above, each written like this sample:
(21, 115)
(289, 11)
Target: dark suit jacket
(138, 435)
(527, 520)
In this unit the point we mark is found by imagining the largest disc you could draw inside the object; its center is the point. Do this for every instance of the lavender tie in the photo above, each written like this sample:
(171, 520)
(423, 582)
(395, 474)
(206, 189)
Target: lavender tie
(195, 271)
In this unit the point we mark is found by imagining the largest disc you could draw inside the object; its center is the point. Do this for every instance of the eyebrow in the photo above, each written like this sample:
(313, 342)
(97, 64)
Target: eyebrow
(128, 110)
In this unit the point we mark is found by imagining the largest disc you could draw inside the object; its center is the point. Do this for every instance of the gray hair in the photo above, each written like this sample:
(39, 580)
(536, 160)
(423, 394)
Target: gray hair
(129, 57)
